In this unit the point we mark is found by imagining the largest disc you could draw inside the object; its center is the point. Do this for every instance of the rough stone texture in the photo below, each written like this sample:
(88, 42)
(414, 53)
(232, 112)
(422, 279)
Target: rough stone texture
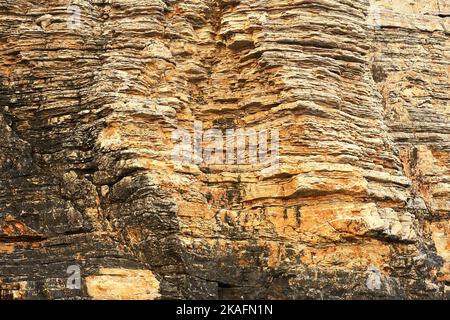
(120, 284)
(360, 206)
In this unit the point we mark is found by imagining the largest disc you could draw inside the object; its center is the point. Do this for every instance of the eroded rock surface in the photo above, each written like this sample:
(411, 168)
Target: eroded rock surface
(358, 89)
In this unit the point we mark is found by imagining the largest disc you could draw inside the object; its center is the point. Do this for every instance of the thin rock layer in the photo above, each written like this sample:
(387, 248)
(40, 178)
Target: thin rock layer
(358, 89)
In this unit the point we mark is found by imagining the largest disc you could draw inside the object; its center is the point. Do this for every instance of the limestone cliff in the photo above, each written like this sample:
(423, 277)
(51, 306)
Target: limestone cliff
(92, 91)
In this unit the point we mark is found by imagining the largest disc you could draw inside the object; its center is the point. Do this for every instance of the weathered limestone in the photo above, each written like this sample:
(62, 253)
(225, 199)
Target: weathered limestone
(120, 284)
(358, 89)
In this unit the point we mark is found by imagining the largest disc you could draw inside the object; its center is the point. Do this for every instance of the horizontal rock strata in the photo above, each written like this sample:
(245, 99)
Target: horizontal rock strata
(91, 93)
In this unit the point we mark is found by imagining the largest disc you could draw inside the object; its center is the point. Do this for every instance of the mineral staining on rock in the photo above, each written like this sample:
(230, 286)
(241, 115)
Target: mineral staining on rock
(359, 91)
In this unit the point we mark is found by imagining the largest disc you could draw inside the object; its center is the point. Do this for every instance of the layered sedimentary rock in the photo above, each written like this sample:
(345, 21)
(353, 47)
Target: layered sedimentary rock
(358, 91)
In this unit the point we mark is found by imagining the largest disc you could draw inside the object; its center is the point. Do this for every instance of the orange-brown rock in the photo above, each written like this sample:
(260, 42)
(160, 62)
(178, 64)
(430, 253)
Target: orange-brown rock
(91, 93)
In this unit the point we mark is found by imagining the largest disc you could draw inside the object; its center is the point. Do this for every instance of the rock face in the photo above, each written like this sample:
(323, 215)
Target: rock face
(91, 93)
